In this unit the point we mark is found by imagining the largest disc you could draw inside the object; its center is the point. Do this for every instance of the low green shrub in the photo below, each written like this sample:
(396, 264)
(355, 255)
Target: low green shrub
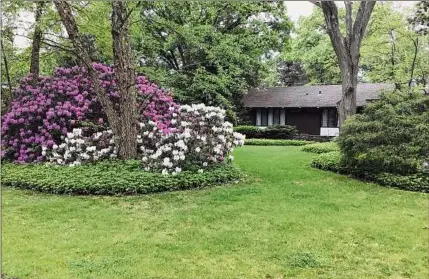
(330, 161)
(110, 178)
(268, 142)
(321, 147)
(271, 132)
(412, 182)
(333, 161)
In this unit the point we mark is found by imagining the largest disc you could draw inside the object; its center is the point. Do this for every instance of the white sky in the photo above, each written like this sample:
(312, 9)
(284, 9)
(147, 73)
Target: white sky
(295, 9)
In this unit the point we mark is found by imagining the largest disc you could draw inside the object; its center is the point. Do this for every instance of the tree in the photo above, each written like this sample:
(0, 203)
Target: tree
(347, 48)
(121, 122)
(210, 52)
(37, 38)
(312, 48)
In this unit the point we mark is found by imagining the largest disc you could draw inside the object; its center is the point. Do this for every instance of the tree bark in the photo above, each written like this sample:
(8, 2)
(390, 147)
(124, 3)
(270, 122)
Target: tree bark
(35, 50)
(69, 22)
(6, 67)
(347, 49)
(413, 65)
(125, 80)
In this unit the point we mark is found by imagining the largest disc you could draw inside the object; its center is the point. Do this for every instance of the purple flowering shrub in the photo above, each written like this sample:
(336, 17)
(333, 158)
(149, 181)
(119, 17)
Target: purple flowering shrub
(42, 115)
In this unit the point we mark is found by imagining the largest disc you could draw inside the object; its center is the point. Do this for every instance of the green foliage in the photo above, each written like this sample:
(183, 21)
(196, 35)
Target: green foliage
(271, 132)
(109, 178)
(278, 142)
(388, 49)
(330, 161)
(313, 49)
(209, 52)
(391, 135)
(321, 147)
(333, 161)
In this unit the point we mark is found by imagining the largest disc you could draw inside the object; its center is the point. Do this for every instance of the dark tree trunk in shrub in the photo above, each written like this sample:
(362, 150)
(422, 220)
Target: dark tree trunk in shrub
(35, 48)
(125, 80)
(123, 123)
(347, 49)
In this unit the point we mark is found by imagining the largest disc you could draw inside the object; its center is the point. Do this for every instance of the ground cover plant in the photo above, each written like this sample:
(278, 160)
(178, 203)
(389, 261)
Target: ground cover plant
(286, 220)
(277, 142)
(321, 147)
(270, 132)
(110, 178)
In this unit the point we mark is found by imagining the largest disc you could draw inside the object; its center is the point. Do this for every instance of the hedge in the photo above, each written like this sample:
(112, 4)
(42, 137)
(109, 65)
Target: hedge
(109, 178)
(271, 132)
(268, 142)
(321, 147)
(333, 161)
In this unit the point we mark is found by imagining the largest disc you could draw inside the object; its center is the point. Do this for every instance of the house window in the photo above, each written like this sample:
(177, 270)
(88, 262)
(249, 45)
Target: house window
(276, 117)
(329, 118)
(264, 117)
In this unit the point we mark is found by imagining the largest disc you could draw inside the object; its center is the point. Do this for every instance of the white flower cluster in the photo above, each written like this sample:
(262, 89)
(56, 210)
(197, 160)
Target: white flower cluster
(200, 139)
(78, 149)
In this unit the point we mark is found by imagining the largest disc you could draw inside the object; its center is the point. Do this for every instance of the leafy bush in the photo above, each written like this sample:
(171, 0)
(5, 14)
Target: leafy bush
(109, 178)
(330, 161)
(271, 132)
(391, 135)
(199, 138)
(268, 142)
(321, 147)
(41, 114)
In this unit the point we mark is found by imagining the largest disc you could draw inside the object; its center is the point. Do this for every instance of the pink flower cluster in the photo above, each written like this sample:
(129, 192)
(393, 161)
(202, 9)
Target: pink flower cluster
(41, 114)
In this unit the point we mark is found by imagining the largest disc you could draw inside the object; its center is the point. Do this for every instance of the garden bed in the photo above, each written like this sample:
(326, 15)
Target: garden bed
(110, 178)
(331, 161)
(277, 142)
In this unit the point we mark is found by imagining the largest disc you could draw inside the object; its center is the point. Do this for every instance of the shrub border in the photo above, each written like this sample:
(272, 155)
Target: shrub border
(106, 179)
(276, 142)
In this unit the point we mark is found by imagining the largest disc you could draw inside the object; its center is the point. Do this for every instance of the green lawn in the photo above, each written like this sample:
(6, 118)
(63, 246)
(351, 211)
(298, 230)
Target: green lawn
(286, 221)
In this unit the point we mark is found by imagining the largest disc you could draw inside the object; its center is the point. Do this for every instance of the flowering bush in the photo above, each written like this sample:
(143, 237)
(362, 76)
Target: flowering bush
(41, 114)
(199, 138)
(78, 148)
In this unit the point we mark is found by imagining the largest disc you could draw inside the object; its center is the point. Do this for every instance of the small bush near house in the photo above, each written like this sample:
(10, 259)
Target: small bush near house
(321, 147)
(391, 135)
(274, 142)
(271, 132)
(330, 161)
(110, 178)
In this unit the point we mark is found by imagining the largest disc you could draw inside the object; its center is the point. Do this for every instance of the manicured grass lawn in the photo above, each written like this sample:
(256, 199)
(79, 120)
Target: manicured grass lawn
(286, 221)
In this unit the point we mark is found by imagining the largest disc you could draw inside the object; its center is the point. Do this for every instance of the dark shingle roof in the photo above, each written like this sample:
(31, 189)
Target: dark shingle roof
(308, 96)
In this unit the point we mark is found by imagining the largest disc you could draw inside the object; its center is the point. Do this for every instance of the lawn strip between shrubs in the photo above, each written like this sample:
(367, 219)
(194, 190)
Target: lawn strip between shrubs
(331, 161)
(110, 178)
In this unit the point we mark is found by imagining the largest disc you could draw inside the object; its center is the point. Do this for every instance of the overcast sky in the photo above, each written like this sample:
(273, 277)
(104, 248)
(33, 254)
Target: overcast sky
(295, 9)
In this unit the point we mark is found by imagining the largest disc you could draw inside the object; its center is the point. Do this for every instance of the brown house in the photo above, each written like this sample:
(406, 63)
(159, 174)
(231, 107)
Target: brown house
(312, 109)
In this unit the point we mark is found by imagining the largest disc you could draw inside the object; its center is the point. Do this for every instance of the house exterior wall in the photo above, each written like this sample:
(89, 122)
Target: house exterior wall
(311, 121)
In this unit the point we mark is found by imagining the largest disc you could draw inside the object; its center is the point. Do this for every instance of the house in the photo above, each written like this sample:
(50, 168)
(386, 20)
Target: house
(312, 109)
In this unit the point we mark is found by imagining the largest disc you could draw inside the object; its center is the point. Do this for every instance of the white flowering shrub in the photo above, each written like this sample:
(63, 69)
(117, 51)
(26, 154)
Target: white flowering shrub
(201, 138)
(198, 138)
(78, 148)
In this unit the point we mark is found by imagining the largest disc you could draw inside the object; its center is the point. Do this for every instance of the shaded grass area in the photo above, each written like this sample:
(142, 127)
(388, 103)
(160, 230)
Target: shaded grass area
(286, 220)
(277, 142)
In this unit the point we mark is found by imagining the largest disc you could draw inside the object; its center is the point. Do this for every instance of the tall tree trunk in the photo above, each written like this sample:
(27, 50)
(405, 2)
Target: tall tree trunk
(347, 48)
(6, 67)
(125, 80)
(35, 50)
(70, 23)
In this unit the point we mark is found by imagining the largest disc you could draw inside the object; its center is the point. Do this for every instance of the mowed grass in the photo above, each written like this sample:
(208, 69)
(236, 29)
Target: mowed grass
(286, 220)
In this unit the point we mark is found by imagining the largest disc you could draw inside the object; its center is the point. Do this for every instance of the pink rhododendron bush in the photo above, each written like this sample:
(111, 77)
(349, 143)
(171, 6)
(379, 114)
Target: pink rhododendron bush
(41, 114)
(60, 121)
